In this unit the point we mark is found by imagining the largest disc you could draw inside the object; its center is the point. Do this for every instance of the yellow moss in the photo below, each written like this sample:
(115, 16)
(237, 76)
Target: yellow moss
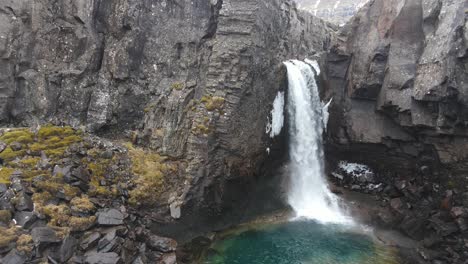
(81, 223)
(18, 135)
(49, 185)
(82, 204)
(59, 215)
(30, 174)
(51, 131)
(213, 102)
(201, 129)
(149, 169)
(178, 86)
(5, 174)
(29, 162)
(7, 235)
(61, 232)
(25, 243)
(9, 154)
(42, 197)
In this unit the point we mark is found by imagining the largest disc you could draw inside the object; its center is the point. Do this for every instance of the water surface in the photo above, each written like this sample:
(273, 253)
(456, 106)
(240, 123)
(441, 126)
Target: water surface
(299, 242)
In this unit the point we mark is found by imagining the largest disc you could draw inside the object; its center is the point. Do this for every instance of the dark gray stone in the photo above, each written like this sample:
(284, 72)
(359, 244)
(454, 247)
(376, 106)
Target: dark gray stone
(16, 146)
(90, 240)
(110, 217)
(161, 244)
(44, 236)
(65, 251)
(3, 146)
(25, 219)
(14, 257)
(23, 202)
(102, 258)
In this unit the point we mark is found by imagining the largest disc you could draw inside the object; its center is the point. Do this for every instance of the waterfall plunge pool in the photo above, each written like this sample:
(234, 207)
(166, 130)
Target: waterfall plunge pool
(299, 242)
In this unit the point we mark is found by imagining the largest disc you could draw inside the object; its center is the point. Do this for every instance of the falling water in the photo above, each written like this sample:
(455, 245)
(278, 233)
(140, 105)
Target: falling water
(309, 195)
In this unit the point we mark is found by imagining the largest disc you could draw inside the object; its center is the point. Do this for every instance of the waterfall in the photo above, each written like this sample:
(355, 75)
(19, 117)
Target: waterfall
(309, 195)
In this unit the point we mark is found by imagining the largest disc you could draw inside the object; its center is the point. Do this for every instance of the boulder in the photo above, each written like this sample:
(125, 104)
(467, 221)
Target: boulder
(14, 257)
(65, 250)
(90, 240)
(161, 244)
(44, 236)
(25, 219)
(23, 202)
(110, 217)
(16, 146)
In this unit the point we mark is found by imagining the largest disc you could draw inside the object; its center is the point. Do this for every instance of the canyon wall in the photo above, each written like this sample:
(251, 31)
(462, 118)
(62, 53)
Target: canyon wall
(192, 80)
(399, 72)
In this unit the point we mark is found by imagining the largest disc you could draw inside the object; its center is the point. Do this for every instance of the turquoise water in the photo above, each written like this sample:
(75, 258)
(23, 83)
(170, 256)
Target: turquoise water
(298, 242)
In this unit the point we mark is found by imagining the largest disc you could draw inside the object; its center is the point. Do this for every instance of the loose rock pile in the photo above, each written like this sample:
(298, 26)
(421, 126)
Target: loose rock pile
(69, 203)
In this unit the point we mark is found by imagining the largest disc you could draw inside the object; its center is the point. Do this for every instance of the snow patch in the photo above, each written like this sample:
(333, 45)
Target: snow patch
(277, 116)
(356, 170)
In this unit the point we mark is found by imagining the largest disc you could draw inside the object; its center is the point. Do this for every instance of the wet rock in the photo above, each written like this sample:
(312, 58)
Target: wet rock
(102, 258)
(44, 236)
(25, 219)
(161, 244)
(14, 257)
(90, 240)
(110, 217)
(23, 202)
(16, 146)
(414, 227)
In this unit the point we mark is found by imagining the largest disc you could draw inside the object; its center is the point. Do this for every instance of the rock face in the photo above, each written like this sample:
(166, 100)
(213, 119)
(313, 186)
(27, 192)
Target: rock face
(404, 93)
(192, 80)
(335, 11)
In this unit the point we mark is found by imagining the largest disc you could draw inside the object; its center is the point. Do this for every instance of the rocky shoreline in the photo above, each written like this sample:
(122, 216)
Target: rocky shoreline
(432, 217)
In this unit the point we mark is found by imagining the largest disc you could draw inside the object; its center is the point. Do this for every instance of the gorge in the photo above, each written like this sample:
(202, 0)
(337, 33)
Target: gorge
(132, 130)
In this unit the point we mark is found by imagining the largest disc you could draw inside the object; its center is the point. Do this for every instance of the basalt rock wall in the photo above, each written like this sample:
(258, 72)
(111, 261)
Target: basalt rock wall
(398, 74)
(192, 80)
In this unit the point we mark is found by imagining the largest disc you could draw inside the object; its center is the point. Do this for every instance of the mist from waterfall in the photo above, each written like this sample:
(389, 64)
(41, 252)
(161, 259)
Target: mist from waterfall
(309, 194)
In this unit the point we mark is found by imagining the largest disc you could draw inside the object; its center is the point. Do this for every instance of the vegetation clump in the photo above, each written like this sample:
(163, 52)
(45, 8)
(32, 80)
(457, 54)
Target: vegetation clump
(8, 235)
(82, 204)
(25, 243)
(178, 86)
(213, 102)
(149, 169)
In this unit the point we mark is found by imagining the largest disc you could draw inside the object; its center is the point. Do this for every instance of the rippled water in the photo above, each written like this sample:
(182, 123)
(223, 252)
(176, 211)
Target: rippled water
(299, 242)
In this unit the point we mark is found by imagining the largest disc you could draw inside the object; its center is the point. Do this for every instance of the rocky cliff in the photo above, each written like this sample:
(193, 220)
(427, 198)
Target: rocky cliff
(335, 11)
(191, 80)
(405, 89)
(398, 76)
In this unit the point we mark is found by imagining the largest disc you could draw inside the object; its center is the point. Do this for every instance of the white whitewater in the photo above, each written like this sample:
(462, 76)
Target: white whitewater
(309, 195)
